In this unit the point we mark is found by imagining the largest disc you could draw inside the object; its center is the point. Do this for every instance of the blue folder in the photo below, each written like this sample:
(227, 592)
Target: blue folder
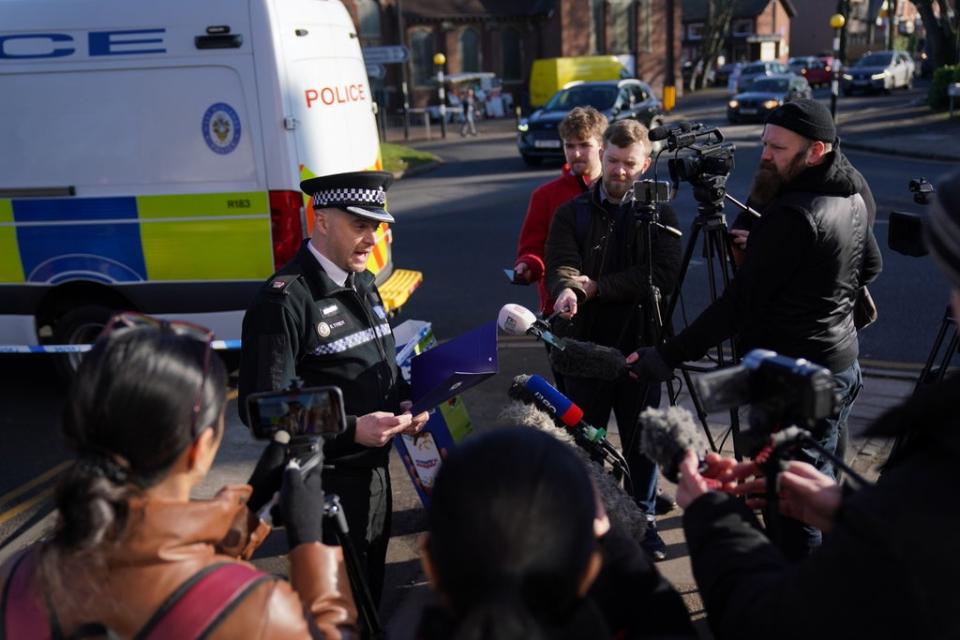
(451, 368)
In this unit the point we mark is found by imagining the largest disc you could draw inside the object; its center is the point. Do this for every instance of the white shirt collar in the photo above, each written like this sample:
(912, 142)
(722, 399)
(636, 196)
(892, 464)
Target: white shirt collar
(335, 273)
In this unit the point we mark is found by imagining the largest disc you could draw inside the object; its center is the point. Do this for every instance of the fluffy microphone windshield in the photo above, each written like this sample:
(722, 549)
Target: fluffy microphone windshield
(588, 360)
(666, 436)
(620, 507)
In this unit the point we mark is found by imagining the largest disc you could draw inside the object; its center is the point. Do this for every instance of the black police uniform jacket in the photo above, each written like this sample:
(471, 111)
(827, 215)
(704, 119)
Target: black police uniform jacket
(302, 324)
(806, 259)
(887, 569)
(613, 253)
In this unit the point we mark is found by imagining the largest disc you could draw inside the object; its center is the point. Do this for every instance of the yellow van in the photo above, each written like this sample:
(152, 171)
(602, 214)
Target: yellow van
(549, 75)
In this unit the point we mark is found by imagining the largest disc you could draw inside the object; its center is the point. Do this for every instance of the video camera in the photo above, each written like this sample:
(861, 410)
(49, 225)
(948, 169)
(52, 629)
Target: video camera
(308, 415)
(707, 165)
(781, 391)
(905, 235)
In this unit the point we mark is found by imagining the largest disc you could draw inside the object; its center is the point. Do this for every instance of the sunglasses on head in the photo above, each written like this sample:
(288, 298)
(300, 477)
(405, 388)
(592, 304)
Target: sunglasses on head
(131, 320)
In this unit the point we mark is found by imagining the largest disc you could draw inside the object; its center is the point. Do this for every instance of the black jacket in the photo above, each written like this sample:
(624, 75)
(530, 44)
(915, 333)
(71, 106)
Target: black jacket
(612, 252)
(303, 324)
(806, 259)
(889, 567)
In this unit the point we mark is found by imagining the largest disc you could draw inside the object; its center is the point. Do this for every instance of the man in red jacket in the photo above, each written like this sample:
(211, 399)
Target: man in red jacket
(582, 135)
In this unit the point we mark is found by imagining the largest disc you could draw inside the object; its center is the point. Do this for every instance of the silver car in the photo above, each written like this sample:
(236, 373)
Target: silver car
(880, 71)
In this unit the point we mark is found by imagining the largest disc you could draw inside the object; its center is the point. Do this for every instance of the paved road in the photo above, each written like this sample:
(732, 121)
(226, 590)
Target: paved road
(459, 224)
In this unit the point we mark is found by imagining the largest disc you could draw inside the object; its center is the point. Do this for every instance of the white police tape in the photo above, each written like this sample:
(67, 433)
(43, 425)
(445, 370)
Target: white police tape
(80, 348)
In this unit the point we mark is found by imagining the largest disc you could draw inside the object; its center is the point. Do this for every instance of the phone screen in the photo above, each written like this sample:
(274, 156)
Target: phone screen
(315, 411)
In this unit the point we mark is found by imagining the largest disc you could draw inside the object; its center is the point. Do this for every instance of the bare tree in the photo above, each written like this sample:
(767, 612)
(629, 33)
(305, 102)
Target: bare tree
(716, 30)
(941, 30)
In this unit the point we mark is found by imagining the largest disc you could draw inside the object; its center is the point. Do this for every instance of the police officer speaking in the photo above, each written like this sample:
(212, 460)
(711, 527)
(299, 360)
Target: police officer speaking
(321, 318)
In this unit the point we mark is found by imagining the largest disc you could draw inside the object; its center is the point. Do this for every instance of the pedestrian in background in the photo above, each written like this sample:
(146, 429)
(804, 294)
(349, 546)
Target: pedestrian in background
(469, 106)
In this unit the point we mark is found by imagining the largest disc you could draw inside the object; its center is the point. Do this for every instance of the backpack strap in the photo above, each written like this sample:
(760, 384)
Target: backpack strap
(22, 613)
(202, 602)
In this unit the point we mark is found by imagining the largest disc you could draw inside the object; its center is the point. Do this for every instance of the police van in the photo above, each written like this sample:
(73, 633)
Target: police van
(152, 154)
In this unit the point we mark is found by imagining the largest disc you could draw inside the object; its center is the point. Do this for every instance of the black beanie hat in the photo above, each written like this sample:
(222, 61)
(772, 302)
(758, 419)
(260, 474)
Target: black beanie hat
(806, 117)
(943, 228)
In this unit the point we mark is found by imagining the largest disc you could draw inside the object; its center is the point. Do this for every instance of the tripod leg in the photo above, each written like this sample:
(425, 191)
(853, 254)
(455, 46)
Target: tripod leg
(948, 354)
(684, 265)
(366, 609)
(934, 350)
(698, 407)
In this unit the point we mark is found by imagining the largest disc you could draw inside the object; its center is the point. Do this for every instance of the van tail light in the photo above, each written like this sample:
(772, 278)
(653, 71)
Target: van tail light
(286, 225)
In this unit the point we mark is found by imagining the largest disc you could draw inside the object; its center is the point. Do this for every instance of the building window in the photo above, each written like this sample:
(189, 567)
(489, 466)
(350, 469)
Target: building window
(742, 27)
(695, 31)
(646, 23)
(622, 26)
(368, 15)
(421, 53)
(512, 55)
(469, 50)
(599, 32)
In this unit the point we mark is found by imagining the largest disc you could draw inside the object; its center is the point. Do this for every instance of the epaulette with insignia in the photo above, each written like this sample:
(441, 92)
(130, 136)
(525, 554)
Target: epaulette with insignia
(280, 284)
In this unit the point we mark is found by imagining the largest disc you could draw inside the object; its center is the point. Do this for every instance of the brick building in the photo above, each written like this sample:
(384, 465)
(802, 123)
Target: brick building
(505, 37)
(759, 30)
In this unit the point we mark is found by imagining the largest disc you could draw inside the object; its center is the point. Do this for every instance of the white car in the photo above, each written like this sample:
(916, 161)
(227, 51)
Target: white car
(880, 71)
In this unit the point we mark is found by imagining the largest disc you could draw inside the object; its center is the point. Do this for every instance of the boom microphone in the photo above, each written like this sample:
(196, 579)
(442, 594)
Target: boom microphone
(517, 320)
(666, 437)
(588, 360)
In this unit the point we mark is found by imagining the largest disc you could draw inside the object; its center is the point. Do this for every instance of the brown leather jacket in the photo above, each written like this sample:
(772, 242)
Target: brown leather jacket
(168, 542)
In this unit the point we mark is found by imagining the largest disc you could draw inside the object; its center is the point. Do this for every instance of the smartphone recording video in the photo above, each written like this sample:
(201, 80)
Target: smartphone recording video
(317, 411)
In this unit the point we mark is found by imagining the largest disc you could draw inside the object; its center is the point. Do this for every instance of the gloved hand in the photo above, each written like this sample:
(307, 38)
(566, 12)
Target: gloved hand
(646, 363)
(268, 474)
(301, 505)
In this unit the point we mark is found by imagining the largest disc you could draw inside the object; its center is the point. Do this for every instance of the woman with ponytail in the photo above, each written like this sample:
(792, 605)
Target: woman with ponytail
(131, 554)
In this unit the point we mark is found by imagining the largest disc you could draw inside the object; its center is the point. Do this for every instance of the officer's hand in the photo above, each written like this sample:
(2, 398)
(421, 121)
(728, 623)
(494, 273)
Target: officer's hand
(566, 303)
(377, 428)
(268, 473)
(417, 422)
(647, 364)
(301, 504)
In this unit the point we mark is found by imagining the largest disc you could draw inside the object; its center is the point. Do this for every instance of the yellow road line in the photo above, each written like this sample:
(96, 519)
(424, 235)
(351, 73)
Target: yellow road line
(27, 504)
(43, 477)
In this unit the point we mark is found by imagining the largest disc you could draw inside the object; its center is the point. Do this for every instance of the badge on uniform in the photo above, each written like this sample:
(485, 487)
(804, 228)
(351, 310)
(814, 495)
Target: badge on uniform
(323, 329)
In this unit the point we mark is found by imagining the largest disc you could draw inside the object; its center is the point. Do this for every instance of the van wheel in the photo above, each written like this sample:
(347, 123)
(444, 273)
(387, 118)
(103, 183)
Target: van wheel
(81, 325)
(531, 161)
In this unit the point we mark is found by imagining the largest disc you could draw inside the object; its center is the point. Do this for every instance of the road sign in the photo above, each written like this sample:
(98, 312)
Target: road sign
(376, 71)
(393, 54)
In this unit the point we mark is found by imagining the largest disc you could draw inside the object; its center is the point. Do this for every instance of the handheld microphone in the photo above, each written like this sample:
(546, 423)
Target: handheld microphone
(666, 437)
(517, 320)
(588, 360)
(534, 389)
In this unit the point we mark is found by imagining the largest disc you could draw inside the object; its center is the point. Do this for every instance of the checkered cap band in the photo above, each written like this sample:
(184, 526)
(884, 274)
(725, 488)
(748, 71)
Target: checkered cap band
(352, 196)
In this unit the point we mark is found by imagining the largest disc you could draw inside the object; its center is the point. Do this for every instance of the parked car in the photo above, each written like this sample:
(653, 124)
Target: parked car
(538, 138)
(765, 95)
(756, 70)
(722, 76)
(812, 68)
(880, 71)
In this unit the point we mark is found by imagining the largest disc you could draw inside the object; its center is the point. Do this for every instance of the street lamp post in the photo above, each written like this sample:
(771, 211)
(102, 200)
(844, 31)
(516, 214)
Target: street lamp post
(836, 22)
(439, 60)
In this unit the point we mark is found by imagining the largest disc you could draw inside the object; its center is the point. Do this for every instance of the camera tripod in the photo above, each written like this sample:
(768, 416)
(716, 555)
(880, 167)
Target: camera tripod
(711, 225)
